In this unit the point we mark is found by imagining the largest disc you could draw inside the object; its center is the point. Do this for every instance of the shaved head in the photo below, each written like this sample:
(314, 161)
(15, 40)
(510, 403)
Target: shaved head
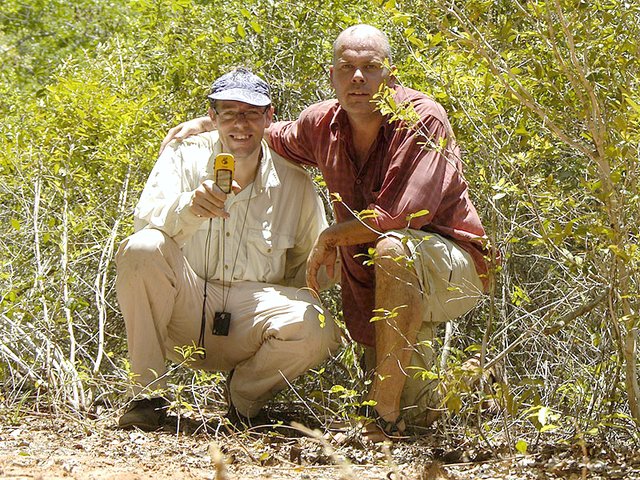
(360, 36)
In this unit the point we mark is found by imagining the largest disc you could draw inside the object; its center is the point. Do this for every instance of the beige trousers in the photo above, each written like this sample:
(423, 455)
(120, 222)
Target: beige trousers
(450, 287)
(275, 333)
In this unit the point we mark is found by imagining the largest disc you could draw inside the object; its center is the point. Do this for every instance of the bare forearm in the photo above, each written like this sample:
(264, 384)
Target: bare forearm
(324, 252)
(352, 232)
(186, 129)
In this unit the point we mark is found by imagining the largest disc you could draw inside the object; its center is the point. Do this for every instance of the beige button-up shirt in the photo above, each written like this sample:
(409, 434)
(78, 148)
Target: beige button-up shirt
(272, 225)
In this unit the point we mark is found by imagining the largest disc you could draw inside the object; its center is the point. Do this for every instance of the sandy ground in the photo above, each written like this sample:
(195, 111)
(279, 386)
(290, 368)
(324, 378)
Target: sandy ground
(42, 447)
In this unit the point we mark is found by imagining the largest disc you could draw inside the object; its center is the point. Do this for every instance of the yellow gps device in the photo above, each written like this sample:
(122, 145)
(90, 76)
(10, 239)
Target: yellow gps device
(223, 170)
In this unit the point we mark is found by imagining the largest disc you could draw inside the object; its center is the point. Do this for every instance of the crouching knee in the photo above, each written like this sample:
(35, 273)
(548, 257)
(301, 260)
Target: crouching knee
(142, 247)
(392, 257)
(320, 332)
(389, 246)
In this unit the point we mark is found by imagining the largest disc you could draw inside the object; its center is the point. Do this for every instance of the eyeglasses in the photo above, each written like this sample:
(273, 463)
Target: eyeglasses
(251, 115)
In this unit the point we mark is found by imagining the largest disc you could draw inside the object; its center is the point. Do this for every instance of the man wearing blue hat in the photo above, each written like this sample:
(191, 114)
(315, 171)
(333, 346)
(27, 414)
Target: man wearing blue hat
(222, 272)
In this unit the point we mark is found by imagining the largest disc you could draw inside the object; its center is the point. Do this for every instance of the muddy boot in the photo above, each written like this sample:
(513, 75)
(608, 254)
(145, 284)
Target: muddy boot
(147, 414)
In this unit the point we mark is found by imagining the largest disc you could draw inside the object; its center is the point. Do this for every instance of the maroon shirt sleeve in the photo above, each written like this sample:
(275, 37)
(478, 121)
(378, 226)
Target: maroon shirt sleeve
(302, 140)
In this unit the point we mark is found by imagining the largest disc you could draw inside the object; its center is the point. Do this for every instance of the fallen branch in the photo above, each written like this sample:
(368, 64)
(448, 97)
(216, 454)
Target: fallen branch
(566, 319)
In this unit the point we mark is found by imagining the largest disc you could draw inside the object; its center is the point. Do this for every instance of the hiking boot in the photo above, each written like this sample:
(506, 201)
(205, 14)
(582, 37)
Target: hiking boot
(147, 414)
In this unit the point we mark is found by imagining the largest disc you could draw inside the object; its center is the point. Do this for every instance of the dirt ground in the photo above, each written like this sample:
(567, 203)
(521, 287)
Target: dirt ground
(46, 447)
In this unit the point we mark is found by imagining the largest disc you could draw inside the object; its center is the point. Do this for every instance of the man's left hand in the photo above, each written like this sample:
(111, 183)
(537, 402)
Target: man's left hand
(321, 254)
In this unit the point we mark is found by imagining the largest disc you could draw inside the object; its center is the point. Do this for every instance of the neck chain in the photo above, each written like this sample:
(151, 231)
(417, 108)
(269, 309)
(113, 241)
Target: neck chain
(225, 295)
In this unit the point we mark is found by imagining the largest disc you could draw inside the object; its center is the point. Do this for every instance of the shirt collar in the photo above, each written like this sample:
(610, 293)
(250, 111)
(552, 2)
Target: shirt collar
(267, 176)
(340, 122)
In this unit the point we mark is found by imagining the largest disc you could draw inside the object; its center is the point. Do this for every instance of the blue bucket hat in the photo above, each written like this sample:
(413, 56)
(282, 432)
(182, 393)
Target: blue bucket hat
(242, 86)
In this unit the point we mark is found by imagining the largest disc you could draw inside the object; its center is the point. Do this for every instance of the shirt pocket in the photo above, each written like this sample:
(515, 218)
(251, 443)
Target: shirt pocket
(196, 254)
(267, 255)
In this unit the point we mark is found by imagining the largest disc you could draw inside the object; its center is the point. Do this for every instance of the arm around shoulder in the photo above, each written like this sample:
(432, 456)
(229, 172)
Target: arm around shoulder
(187, 129)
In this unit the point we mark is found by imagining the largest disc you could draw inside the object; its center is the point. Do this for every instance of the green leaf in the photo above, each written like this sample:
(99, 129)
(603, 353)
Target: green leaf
(632, 102)
(364, 214)
(256, 27)
(420, 213)
(499, 195)
(521, 446)
(543, 415)
(265, 456)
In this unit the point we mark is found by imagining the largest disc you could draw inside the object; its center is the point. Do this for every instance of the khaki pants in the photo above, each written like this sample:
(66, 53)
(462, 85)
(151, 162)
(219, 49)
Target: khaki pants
(450, 288)
(275, 333)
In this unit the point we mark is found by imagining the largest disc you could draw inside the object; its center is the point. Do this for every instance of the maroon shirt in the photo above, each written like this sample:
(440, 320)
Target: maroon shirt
(407, 170)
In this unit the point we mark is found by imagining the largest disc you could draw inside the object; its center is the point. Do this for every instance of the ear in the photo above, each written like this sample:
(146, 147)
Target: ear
(391, 77)
(331, 76)
(269, 116)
